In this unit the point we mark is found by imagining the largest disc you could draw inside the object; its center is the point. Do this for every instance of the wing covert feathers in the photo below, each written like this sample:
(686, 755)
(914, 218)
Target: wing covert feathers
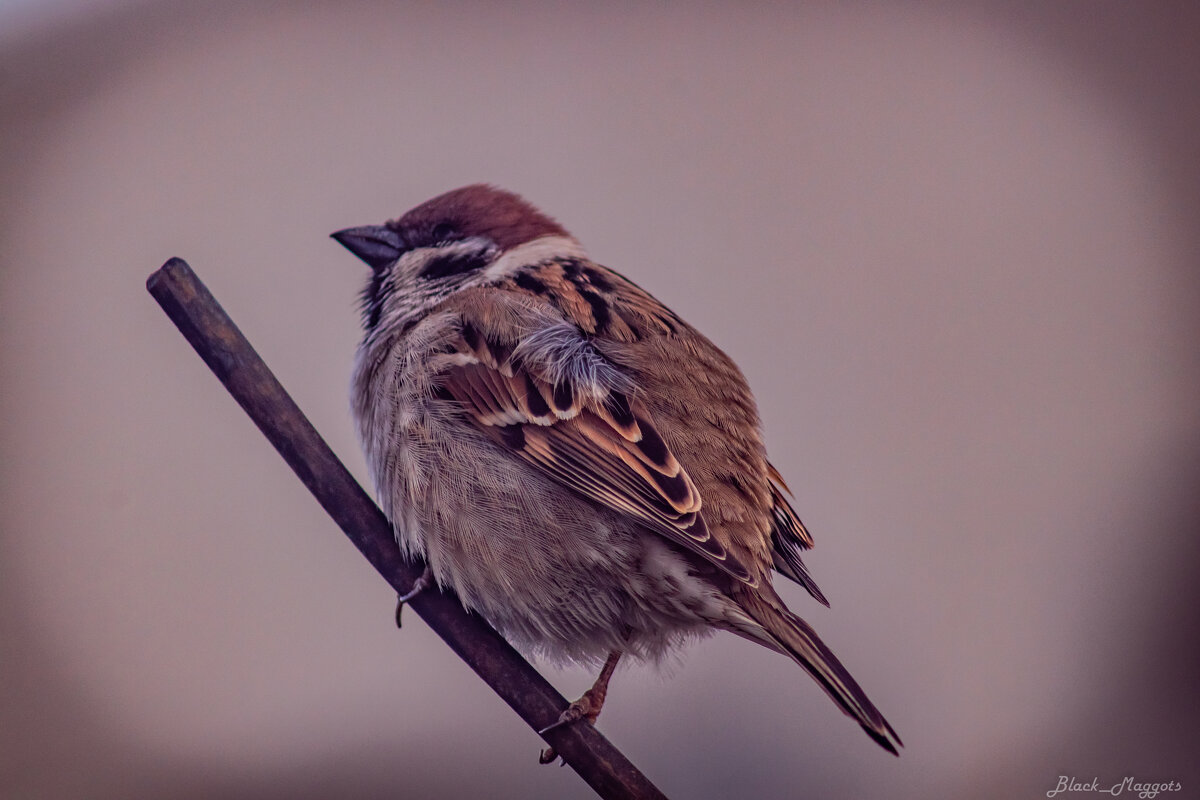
(595, 439)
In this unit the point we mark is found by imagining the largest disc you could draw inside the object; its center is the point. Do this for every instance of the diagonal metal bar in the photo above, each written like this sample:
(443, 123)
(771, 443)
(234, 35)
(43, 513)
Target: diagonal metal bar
(212, 333)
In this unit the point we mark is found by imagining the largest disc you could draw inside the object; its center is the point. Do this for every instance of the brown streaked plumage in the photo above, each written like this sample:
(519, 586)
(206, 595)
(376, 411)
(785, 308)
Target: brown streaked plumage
(580, 465)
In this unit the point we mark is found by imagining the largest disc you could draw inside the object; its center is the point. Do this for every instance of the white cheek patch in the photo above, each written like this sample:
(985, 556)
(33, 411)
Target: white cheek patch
(545, 248)
(413, 261)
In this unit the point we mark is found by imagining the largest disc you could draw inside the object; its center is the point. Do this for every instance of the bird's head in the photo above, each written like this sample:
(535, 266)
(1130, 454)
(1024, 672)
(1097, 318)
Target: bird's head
(467, 237)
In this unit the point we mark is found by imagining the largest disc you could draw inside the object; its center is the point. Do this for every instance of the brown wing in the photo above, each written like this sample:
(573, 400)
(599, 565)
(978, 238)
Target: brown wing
(600, 442)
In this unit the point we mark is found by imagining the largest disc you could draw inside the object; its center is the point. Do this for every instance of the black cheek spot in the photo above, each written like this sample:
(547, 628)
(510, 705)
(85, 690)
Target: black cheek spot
(444, 266)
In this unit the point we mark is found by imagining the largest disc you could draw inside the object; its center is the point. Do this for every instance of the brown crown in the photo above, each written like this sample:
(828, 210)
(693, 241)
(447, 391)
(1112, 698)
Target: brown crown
(477, 210)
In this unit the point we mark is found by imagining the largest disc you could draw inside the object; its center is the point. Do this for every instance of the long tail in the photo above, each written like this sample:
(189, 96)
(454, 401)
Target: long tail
(786, 632)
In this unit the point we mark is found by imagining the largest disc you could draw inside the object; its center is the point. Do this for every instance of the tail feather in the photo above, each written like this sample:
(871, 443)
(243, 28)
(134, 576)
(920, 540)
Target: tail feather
(796, 638)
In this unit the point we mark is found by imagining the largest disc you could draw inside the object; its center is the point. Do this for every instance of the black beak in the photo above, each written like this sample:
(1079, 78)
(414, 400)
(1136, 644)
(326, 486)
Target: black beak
(375, 244)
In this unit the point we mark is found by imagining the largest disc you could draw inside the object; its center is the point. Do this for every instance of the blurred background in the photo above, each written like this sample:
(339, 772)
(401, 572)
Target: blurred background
(954, 248)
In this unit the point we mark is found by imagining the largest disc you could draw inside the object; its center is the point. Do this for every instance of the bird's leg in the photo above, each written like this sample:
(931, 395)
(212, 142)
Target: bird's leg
(586, 707)
(423, 582)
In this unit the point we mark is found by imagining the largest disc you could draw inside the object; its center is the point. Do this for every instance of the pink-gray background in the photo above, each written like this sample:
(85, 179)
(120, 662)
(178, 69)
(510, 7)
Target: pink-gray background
(954, 248)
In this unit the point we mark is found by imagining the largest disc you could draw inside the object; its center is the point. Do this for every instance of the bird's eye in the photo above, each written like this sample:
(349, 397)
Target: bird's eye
(443, 232)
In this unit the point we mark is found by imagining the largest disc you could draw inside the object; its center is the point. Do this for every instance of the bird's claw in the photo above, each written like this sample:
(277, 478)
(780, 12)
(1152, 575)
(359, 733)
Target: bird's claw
(423, 581)
(576, 711)
(583, 708)
(547, 756)
(586, 707)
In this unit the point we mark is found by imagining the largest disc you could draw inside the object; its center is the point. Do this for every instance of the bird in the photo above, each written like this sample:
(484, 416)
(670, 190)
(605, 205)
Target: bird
(581, 466)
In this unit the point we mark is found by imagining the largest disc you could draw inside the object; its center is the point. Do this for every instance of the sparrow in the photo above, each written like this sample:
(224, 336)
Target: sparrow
(579, 465)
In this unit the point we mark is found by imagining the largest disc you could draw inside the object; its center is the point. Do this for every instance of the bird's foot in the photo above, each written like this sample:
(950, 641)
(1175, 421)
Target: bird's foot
(423, 582)
(586, 707)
